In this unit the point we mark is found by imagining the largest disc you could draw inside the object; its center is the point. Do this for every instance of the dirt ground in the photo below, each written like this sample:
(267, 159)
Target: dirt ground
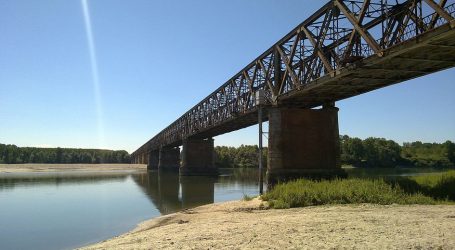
(20, 168)
(249, 225)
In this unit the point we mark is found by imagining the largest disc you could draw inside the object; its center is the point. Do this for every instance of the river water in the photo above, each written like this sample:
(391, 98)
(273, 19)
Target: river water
(64, 210)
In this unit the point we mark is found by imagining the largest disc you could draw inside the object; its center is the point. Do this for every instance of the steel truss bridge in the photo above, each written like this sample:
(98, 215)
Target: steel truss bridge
(344, 49)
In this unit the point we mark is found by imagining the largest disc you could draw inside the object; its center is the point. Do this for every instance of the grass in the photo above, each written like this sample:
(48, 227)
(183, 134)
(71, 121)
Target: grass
(247, 197)
(439, 186)
(430, 189)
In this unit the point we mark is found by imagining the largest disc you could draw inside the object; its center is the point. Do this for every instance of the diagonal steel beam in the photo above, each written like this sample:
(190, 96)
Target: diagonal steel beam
(364, 9)
(442, 12)
(294, 78)
(291, 55)
(250, 82)
(267, 79)
(435, 17)
(355, 22)
(321, 55)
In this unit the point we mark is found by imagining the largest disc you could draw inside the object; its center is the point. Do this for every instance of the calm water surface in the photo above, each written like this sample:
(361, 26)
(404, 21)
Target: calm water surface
(65, 210)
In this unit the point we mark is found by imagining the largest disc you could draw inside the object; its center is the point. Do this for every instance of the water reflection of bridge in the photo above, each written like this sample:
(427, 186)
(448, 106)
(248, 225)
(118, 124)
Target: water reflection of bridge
(170, 192)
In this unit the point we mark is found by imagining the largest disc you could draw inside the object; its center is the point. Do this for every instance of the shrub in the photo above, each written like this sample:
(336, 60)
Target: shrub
(341, 191)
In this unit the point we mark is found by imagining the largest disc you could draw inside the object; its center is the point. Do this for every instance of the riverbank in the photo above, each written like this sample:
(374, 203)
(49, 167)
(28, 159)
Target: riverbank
(250, 225)
(21, 168)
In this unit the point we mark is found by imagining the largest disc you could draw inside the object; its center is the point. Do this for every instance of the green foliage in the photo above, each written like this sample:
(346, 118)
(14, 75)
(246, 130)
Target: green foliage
(438, 186)
(302, 193)
(379, 152)
(245, 156)
(428, 189)
(433, 155)
(247, 197)
(11, 154)
(371, 152)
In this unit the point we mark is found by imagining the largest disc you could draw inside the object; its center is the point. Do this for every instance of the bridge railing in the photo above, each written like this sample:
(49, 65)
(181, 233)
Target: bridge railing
(340, 33)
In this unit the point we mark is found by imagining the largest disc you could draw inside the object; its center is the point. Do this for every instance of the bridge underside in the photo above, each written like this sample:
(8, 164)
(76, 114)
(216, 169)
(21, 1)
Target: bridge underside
(434, 51)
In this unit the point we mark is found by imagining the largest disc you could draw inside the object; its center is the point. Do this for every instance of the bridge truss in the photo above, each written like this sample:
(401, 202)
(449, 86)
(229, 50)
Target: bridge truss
(344, 49)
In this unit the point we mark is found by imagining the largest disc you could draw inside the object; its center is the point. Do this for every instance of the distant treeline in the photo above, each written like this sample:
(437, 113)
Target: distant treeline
(245, 156)
(371, 152)
(11, 154)
(379, 152)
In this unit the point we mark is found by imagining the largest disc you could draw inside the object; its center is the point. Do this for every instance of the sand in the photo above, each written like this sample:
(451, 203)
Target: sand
(23, 168)
(249, 225)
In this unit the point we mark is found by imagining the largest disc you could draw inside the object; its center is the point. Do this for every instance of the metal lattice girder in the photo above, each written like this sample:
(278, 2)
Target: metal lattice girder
(346, 48)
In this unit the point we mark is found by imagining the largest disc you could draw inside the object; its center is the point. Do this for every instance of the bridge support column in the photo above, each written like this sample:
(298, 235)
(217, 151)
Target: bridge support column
(143, 160)
(198, 157)
(153, 159)
(303, 143)
(169, 159)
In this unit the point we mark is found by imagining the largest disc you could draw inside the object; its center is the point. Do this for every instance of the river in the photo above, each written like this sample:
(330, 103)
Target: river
(65, 210)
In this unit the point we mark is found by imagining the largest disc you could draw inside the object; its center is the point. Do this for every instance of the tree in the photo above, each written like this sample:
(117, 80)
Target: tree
(450, 151)
(13, 154)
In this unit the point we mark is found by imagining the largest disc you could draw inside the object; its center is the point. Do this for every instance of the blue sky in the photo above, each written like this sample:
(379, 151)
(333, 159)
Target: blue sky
(156, 59)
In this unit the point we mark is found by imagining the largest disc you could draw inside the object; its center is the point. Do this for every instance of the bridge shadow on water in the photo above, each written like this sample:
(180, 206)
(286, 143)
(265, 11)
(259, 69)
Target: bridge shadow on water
(170, 192)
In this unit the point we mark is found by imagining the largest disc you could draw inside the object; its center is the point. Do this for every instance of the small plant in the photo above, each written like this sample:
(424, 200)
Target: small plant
(247, 197)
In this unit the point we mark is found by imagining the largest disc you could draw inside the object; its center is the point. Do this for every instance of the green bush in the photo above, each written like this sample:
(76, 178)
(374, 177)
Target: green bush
(440, 186)
(342, 191)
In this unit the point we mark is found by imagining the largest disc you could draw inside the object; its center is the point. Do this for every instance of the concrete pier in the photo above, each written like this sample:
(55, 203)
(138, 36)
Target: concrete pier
(144, 159)
(303, 143)
(198, 157)
(153, 158)
(169, 159)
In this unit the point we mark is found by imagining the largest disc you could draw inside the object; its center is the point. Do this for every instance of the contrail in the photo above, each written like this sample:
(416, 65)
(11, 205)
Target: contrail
(94, 68)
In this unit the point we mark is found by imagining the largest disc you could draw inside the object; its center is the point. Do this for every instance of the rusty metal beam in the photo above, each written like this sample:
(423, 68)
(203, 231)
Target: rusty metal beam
(355, 22)
(439, 10)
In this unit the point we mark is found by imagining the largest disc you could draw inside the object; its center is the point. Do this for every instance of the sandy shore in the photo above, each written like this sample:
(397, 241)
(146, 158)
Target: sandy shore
(20, 168)
(247, 225)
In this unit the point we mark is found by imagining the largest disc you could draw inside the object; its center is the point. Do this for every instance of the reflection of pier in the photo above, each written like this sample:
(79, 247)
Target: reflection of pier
(170, 193)
(197, 190)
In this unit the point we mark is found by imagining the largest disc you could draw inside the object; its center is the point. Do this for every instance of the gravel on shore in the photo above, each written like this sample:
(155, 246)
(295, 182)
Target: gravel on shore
(250, 225)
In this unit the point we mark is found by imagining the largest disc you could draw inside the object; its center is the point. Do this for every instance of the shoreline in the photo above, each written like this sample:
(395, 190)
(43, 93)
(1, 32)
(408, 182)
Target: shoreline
(250, 225)
(48, 168)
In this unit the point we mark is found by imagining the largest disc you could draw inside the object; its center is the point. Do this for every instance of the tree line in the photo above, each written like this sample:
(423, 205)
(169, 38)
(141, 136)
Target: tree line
(371, 152)
(11, 154)
(379, 152)
(245, 156)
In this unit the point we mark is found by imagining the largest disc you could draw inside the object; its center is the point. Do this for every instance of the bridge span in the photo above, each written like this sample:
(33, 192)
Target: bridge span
(346, 48)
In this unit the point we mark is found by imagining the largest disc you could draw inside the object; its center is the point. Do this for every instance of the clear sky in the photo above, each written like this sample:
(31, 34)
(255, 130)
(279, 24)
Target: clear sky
(118, 74)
